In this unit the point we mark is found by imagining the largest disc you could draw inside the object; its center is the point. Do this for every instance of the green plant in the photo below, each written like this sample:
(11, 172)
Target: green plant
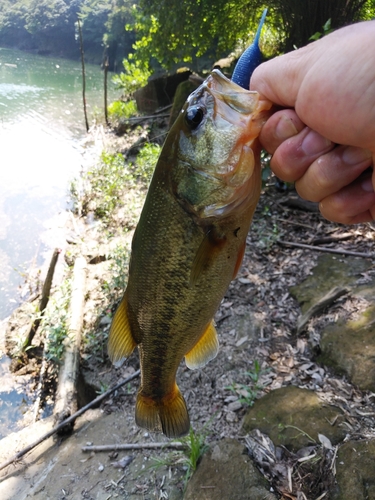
(146, 160)
(54, 322)
(136, 75)
(326, 30)
(248, 393)
(122, 109)
(194, 446)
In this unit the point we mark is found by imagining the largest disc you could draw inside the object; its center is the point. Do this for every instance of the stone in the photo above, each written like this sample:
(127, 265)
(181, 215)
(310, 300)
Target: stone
(330, 272)
(355, 471)
(227, 472)
(350, 349)
(290, 415)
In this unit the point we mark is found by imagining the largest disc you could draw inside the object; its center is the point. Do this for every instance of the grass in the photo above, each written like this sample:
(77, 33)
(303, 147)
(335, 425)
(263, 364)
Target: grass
(194, 448)
(55, 322)
(101, 190)
(248, 392)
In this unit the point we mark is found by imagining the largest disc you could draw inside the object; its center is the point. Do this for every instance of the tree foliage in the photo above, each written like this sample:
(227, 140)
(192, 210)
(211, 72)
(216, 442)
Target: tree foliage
(182, 31)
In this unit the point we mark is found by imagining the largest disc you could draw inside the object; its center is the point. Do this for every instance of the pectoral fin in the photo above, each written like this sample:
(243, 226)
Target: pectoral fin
(212, 243)
(121, 343)
(240, 255)
(204, 350)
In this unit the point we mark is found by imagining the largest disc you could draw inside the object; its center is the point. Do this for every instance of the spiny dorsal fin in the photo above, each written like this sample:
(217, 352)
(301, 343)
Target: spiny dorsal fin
(121, 343)
(204, 350)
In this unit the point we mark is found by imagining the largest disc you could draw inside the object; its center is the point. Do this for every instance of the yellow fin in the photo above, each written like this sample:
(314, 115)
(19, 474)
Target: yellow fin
(204, 350)
(121, 343)
(169, 414)
(211, 244)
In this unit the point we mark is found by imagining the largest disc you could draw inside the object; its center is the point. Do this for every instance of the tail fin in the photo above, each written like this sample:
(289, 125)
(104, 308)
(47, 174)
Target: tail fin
(249, 60)
(168, 414)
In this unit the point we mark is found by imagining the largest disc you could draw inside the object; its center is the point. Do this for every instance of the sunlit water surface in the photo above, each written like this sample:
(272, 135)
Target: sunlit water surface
(42, 137)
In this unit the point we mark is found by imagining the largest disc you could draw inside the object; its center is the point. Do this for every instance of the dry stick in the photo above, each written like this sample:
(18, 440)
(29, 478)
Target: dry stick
(43, 301)
(325, 249)
(69, 420)
(133, 446)
(325, 301)
(66, 394)
(83, 74)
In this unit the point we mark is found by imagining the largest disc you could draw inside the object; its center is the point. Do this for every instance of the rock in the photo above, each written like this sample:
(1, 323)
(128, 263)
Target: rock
(227, 472)
(349, 347)
(331, 271)
(159, 91)
(355, 471)
(289, 415)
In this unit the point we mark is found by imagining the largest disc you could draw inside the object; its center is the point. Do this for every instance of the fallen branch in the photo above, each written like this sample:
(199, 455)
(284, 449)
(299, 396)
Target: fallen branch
(325, 249)
(133, 446)
(66, 395)
(324, 302)
(43, 301)
(69, 420)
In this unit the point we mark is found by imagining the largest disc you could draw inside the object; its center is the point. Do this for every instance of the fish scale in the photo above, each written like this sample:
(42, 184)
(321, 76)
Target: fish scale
(189, 244)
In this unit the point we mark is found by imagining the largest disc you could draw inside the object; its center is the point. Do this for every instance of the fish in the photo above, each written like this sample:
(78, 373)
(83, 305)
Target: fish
(189, 244)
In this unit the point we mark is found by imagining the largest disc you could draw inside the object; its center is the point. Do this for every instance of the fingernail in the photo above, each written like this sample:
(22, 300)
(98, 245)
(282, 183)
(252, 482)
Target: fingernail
(314, 143)
(353, 156)
(367, 185)
(285, 129)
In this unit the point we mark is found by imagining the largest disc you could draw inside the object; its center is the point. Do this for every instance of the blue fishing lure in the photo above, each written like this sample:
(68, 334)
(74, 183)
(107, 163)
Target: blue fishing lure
(249, 60)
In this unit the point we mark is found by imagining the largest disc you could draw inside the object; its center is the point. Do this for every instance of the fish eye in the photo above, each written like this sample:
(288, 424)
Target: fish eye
(194, 116)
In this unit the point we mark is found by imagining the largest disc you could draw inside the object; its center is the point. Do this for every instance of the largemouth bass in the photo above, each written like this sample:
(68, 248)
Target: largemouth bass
(189, 244)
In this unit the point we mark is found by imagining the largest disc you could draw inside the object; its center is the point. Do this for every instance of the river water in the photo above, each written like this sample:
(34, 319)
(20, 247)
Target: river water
(42, 139)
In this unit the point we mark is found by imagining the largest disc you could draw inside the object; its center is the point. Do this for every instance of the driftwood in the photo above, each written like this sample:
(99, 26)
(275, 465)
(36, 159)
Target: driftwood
(325, 249)
(43, 301)
(69, 421)
(133, 446)
(66, 394)
(324, 302)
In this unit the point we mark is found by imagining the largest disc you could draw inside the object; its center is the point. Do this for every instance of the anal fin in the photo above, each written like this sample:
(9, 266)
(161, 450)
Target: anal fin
(204, 350)
(121, 343)
(168, 414)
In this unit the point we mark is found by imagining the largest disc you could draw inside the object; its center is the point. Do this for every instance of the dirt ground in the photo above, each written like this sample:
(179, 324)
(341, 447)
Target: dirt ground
(259, 351)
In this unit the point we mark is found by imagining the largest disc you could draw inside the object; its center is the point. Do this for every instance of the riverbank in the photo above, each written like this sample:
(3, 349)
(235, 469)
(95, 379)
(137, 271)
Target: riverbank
(260, 354)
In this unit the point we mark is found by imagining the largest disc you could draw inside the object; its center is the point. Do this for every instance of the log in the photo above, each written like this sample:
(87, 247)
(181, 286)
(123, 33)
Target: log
(43, 301)
(319, 306)
(66, 394)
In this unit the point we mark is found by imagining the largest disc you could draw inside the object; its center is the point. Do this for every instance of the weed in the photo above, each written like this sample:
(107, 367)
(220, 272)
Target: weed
(55, 320)
(194, 446)
(195, 443)
(146, 160)
(247, 394)
(136, 75)
(120, 110)
(118, 271)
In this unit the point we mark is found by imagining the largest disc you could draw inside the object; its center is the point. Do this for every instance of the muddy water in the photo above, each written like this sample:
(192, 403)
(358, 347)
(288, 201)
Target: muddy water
(42, 146)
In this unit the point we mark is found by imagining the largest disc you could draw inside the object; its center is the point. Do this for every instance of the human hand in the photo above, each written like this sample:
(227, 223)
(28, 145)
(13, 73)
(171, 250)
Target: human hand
(326, 143)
